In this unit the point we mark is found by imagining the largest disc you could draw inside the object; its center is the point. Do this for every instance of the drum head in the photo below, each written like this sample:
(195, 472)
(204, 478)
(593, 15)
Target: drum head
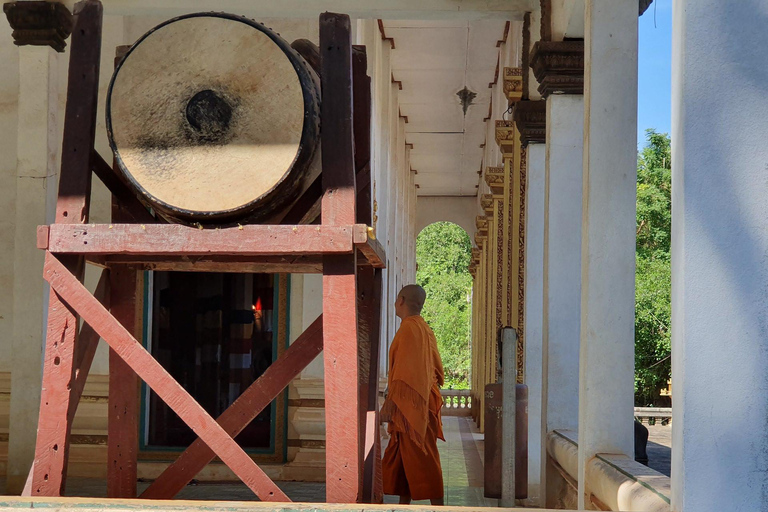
(208, 113)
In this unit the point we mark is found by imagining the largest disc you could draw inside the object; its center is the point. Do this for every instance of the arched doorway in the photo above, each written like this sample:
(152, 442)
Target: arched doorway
(443, 253)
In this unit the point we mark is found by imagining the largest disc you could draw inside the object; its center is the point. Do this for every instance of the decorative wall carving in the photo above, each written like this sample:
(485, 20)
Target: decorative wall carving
(505, 138)
(531, 120)
(494, 177)
(486, 202)
(513, 84)
(526, 57)
(521, 270)
(39, 23)
(559, 66)
(481, 222)
(499, 266)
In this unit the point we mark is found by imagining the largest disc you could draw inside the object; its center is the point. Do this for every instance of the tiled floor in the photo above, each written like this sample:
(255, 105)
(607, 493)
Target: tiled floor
(461, 456)
(660, 448)
(462, 459)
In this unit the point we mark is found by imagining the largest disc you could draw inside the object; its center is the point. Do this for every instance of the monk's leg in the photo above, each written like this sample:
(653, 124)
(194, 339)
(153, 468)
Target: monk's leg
(405, 499)
(438, 502)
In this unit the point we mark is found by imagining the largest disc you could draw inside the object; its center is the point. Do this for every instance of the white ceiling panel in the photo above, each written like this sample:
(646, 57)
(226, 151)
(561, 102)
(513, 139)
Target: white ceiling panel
(432, 118)
(434, 61)
(429, 48)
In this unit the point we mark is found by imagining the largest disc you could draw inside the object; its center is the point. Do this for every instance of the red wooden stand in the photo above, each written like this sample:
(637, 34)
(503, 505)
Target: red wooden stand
(340, 247)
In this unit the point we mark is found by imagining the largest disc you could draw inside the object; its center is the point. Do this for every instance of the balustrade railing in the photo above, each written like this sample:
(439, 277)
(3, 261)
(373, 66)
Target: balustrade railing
(456, 402)
(652, 415)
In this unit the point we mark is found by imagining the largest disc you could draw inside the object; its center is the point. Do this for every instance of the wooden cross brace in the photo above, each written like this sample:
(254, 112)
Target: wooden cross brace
(217, 436)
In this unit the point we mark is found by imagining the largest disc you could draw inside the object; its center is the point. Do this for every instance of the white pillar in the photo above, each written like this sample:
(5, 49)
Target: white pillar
(534, 290)
(562, 267)
(719, 272)
(606, 360)
(36, 169)
(562, 260)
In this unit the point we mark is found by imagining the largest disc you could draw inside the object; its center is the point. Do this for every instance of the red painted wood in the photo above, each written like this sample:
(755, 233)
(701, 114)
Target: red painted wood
(54, 427)
(254, 399)
(342, 439)
(369, 293)
(123, 410)
(174, 239)
(178, 399)
(87, 343)
(42, 237)
(337, 114)
(54, 423)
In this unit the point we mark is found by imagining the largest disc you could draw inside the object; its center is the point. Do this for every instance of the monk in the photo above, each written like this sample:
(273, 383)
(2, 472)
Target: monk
(411, 463)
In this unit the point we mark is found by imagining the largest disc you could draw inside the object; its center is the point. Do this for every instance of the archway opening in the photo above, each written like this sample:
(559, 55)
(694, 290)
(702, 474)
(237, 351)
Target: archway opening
(443, 253)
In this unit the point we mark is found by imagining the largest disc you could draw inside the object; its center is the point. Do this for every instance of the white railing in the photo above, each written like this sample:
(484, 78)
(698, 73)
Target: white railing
(456, 402)
(651, 415)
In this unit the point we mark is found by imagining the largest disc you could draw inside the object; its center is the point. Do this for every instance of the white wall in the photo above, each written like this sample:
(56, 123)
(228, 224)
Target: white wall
(459, 210)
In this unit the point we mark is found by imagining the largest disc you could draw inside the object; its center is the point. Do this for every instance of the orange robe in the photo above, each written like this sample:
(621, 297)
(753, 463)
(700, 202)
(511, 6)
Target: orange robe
(411, 462)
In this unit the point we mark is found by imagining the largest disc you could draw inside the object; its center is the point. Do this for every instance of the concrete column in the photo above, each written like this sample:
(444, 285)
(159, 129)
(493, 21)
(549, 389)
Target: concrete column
(534, 297)
(719, 272)
(562, 267)
(36, 169)
(606, 359)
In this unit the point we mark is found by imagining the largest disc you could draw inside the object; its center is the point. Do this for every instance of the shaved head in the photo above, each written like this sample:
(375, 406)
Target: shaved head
(413, 296)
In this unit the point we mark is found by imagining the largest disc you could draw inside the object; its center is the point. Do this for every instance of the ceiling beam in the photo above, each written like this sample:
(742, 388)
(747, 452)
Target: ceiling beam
(384, 9)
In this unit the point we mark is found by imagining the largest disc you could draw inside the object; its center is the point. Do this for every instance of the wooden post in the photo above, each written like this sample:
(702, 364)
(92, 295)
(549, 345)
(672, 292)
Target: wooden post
(339, 271)
(126, 298)
(56, 407)
(368, 288)
(123, 413)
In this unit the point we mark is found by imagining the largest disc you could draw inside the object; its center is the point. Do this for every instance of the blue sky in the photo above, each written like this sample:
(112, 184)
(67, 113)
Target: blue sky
(655, 70)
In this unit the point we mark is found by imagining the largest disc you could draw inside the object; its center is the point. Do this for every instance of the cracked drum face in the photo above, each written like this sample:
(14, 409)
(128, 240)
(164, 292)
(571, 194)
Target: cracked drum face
(213, 118)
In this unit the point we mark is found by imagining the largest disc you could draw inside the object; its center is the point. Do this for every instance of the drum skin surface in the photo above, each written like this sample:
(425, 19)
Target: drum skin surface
(213, 119)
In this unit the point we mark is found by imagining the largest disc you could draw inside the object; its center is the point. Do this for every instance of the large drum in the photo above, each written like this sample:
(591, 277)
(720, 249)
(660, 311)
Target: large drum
(214, 119)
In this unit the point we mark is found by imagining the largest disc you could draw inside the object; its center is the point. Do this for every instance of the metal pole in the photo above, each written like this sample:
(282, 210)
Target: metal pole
(509, 382)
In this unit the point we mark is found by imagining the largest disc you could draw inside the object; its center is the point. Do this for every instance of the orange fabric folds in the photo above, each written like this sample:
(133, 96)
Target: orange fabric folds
(414, 370)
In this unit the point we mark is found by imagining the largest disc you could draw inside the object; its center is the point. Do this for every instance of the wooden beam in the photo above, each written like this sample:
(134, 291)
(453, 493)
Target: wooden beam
(54, 424)
(177, 240)
(342, 445)
(254, 399)
(159, 380)
(236, 264)
(87, 343)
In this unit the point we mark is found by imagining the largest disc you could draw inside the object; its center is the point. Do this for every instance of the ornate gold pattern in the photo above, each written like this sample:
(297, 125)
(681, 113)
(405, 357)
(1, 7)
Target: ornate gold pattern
(494, 177)
(486, 202)
(513, 84)
(481, 222)
(521, 270)
(505, 138)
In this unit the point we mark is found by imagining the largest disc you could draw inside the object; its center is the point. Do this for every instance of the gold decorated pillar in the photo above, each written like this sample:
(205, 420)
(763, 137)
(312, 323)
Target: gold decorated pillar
(481, 238)
(513, 154)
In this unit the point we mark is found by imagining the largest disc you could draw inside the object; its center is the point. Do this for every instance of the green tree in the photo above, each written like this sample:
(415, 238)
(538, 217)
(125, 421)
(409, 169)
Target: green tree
(653, 275)
(443, 252)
